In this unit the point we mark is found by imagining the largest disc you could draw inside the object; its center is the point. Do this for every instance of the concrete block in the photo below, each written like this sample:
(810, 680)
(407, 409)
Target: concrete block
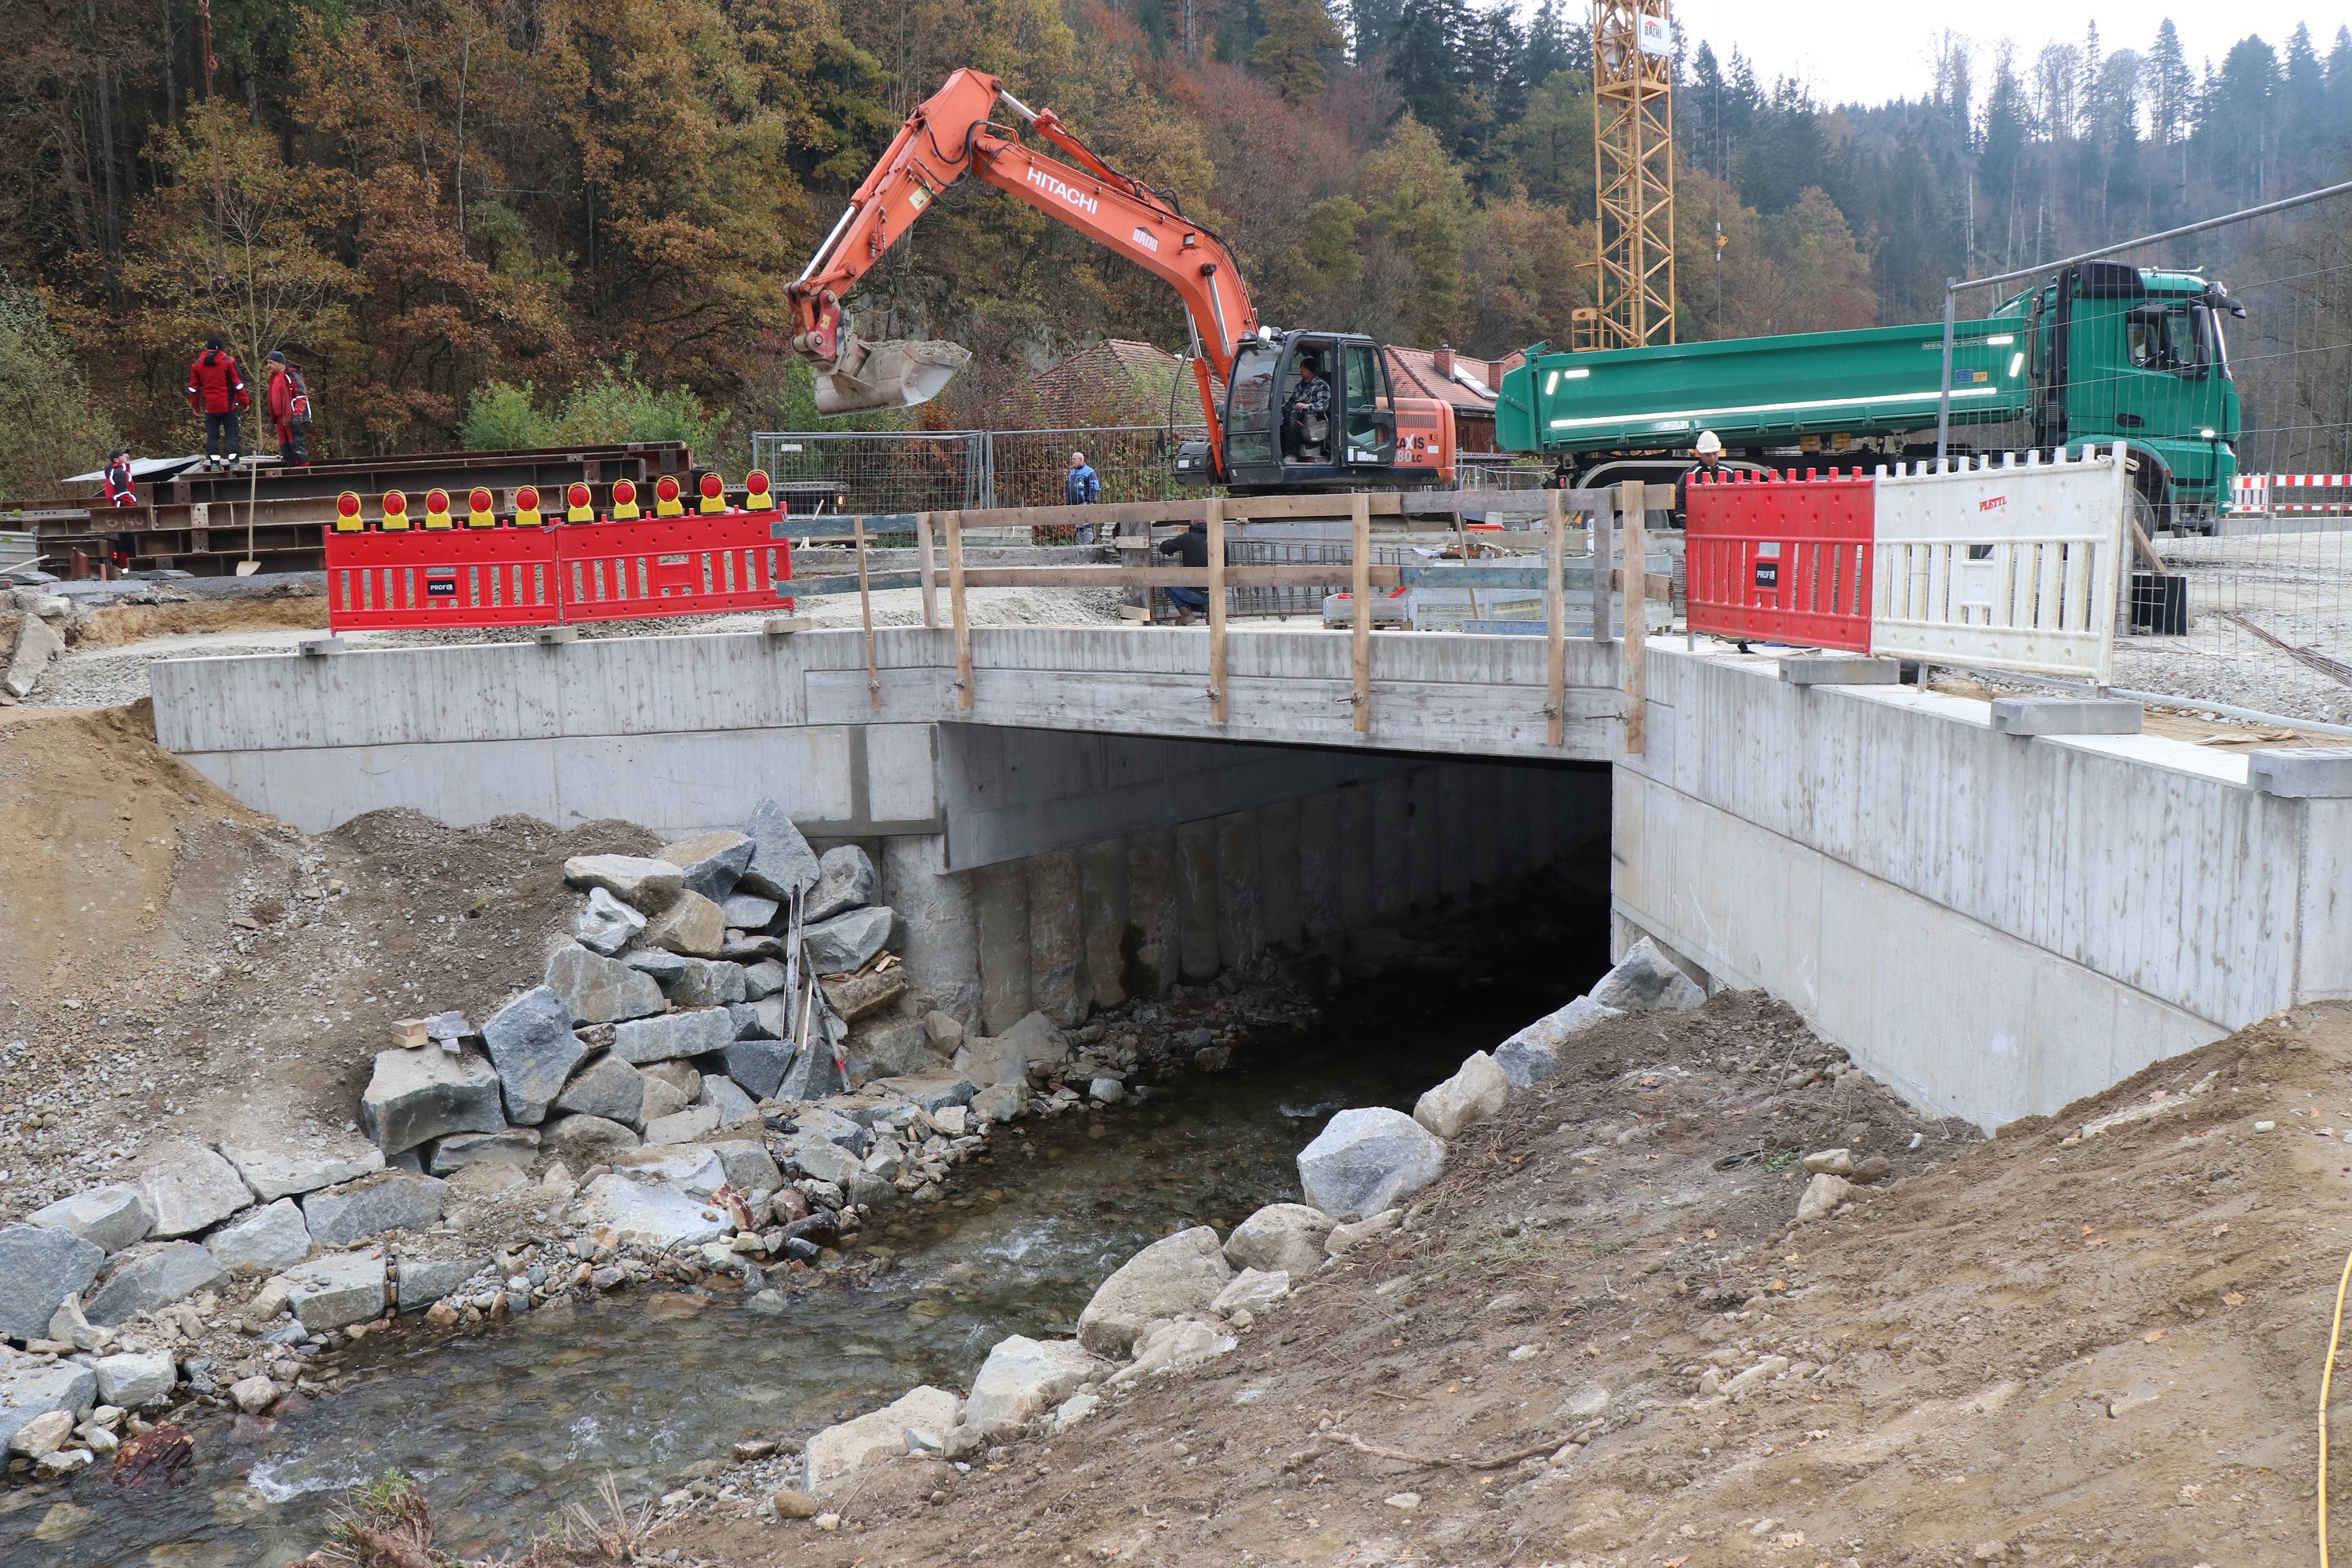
(1278, 871)
(2065, 716)
(319, 647)
(1055, 937)
(1151, 909)
(942, 953)
(1001, 900)
(2302, 774)
(1320, 901)
(1839, 670)
(1241, 913)
(1102, 925)
(1197, 954)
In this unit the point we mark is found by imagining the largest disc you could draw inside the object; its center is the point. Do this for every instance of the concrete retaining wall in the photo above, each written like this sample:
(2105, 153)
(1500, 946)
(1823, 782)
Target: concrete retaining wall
(1998, 925)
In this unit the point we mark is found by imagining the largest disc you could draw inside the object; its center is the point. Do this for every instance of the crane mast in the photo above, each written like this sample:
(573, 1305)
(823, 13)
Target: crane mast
(1633, 143)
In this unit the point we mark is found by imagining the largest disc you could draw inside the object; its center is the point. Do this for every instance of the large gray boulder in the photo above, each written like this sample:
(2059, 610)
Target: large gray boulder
(693, 927)
(40, 1266)
(154, 1274)
(189, 1188)
(694, 1169)
(836, 1454)
(682, 1126)
(781, 861)
(30, 1391)
(763, 979)
(517, 1146)
(726, 1097)
(991, 1060)
(847, 942)
(1364, 1160)
(1646, 981)
(708, 983)
(673, 1035)
(649, 1214)
(420, 1281)
(891, 1050)
(532, 1044)
(389, 1200)
(1280, 1238)
(748, 911)
(1532, 1055)
(583, 1141)
(813, 1074)
(645, 885)
(845, 881)
(821, 1121)
(1042, 1045)
(748, 1165)
(1180, 1274)
(1476, 1091)
(711, 861)
(270, 1238)
(600, 990)
(770, 1018)
(416, 1095)
(607, 1087)
(336, 1291)
(1024, 1378)
(275, 1169)
(815, 1157)
(109, 1219)
(758, 1065)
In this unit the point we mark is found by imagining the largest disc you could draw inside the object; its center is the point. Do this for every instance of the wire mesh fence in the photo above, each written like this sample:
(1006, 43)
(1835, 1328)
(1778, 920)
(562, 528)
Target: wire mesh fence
(2224, 359)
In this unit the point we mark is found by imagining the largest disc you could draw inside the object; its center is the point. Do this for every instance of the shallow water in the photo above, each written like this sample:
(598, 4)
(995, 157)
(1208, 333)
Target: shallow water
(504, 1426)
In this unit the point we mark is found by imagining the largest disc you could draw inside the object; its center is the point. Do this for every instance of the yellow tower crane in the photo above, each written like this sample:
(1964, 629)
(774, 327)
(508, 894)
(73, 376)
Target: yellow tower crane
(1633, 158)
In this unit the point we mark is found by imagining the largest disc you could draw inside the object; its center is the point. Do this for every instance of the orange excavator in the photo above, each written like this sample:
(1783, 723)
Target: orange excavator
(1277, 430)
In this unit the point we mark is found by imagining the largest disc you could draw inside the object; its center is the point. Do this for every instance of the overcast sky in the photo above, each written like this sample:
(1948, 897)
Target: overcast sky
(1849, 51)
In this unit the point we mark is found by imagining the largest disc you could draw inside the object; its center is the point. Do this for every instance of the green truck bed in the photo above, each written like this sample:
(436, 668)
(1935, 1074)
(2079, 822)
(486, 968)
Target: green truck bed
(1755, 391)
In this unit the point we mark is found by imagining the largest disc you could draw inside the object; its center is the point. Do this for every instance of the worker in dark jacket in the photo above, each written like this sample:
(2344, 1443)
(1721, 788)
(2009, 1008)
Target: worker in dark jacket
(217, 391)
(1190, 548)
(119, 488)
(289, 400)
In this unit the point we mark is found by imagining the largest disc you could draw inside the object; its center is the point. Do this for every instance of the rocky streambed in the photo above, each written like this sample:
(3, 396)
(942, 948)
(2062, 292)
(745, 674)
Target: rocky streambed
(658, 1386)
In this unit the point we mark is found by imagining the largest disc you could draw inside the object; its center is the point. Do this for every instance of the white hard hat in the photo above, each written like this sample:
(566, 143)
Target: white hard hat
(1706, 442)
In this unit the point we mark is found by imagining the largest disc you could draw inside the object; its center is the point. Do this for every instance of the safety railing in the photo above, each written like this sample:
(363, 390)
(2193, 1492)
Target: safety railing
(1781, 560)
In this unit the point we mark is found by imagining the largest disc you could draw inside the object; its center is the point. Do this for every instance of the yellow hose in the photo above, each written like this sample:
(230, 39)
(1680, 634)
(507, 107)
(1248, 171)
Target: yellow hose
(2326, 1376)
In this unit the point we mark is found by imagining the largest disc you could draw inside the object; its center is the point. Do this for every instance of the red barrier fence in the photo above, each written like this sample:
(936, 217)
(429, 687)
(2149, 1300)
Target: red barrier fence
(527, 572)
(1781, 560)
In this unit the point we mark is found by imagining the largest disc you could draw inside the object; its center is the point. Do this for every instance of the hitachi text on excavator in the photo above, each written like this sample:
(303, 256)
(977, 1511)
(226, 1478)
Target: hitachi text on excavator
(1276, 430)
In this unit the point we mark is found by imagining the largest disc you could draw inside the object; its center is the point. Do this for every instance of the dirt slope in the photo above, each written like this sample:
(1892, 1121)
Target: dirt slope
(171, 961)
(2033, 1349)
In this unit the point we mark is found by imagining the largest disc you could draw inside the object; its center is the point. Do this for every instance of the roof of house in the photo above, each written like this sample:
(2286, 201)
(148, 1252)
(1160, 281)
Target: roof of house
(1117, 381)
(1471, 388)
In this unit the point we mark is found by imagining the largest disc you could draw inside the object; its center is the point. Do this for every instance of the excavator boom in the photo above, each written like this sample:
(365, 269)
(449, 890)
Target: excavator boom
(951, 135)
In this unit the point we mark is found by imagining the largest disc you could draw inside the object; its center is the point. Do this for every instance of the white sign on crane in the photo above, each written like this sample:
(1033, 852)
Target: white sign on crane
(1653, 35)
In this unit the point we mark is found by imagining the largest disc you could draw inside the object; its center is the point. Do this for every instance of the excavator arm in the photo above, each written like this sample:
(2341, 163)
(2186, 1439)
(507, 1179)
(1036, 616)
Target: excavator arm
(948, 136)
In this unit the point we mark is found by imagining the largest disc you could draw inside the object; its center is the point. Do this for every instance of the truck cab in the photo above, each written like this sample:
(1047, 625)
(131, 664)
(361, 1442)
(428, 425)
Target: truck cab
(2138, 355)
(1282, 434)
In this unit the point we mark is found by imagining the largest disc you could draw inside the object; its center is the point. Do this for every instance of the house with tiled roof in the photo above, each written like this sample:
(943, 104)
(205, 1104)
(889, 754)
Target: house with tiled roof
(1116, 381)
(1470, 384)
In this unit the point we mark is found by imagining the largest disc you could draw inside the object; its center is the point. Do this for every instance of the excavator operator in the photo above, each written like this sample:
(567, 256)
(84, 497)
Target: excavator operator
(1307, 416)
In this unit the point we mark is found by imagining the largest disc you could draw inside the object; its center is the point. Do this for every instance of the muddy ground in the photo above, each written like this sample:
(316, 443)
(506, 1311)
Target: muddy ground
(2035, 1347)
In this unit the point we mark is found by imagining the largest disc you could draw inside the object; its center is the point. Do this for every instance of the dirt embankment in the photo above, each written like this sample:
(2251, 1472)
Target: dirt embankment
(171, 961)
(2036, 1349)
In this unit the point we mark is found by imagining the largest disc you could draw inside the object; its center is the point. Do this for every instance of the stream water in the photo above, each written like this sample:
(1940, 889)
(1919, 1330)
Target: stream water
(504, 1426)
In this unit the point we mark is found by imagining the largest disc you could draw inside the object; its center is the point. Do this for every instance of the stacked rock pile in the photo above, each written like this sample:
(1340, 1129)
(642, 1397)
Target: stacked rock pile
(1182, 1301)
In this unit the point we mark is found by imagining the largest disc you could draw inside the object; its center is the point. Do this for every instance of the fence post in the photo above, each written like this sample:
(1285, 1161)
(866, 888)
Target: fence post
(1602, 548)
(930, 577)
(1216, 521)
(1555, 622)
(866, 612)
(1360, 510)
(956, 609)
(1635, 646)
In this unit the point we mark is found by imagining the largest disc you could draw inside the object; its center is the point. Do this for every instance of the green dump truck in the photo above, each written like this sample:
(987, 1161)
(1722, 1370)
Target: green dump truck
(2103, 353)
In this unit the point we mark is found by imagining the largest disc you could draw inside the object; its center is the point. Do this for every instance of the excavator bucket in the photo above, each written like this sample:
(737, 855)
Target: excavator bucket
(896, 373)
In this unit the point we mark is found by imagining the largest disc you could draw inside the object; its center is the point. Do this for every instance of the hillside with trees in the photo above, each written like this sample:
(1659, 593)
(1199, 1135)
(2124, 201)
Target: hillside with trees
(478, 217)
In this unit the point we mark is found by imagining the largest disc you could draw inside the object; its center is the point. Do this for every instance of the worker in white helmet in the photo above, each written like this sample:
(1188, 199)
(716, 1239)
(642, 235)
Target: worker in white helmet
(1709, 447)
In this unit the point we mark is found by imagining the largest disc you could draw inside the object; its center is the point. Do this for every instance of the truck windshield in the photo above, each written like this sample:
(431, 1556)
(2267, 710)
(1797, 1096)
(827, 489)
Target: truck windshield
(2165, 337)
(1249, 425)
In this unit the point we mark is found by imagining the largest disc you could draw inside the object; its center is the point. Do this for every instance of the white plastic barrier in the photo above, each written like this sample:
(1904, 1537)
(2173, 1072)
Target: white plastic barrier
(2012, 566)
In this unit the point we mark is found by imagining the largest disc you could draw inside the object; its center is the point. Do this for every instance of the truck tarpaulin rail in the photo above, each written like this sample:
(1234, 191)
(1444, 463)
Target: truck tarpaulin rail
(558, 574)
(2002, 564)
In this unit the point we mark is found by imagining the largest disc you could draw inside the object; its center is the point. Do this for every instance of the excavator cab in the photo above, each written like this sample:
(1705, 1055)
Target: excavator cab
(1303, 410)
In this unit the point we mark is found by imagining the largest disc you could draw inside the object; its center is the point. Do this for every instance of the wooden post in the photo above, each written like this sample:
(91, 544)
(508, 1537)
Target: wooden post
(930, 577)
(1361, 600)
(1556, 623)
(865, 610)
(956, 610)
(1604, 549)
(1637, 620)
(1216, 521)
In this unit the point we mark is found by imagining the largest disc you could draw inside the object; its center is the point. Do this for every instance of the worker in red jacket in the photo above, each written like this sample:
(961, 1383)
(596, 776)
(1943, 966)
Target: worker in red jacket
(290, 409)
(217, 391)
(121, 490)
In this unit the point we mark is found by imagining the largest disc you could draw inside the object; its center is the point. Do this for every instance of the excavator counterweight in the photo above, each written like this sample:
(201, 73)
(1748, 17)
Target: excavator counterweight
(1275, 430)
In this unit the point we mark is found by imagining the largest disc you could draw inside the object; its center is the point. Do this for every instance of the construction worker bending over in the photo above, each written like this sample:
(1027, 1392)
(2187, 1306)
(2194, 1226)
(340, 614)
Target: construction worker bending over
(217, 391)
(1190, 548)
(290, 409)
